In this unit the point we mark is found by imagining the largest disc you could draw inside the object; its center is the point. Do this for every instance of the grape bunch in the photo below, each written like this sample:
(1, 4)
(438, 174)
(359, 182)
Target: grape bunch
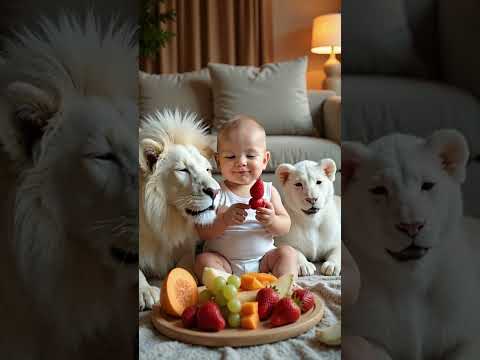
(224, 292)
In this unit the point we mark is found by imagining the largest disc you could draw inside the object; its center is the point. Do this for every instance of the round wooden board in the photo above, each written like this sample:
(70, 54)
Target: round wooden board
(173, 328)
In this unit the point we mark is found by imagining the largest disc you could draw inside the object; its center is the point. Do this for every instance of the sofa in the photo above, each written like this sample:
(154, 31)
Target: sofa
(193, 92)
(412, 66)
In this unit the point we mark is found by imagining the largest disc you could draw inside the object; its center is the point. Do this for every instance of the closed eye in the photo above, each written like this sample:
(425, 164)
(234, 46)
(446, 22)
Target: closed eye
(185, 170)
(379, 190)
(109, 156)
(229, 157)
(426, 186)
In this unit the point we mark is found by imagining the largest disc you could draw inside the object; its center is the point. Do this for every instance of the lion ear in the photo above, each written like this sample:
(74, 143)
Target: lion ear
(329, 167)
(31, 110)
(452, 148)
(150, 152)
(283, 172)
(353, 153)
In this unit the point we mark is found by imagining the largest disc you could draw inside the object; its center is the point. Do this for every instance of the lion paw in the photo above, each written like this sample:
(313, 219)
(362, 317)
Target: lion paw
(147, 296)
(306, 268)
(330, 268)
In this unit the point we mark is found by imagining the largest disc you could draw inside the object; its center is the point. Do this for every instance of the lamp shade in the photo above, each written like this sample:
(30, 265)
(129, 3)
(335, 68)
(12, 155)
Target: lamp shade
(327, 32)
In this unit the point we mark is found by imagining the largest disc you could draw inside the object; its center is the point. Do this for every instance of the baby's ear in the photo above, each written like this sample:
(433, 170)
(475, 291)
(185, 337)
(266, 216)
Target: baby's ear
(329, 168)
(452, 148)
(149, 154)
(31, 110)
(283, 172)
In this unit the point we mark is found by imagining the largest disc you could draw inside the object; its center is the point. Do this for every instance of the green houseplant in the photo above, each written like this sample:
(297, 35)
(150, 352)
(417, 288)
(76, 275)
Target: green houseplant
(152, 36)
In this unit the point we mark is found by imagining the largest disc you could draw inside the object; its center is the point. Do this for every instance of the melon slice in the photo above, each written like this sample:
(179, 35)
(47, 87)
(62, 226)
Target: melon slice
(331, 335)
(209, 274)
(284, 285)
(179, 291)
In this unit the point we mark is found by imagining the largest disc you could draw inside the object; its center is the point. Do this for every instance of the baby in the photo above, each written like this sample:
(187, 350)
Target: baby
(241, 239)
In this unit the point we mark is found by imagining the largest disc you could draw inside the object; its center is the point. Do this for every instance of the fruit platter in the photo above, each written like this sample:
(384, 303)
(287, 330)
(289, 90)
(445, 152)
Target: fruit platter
(253, 309)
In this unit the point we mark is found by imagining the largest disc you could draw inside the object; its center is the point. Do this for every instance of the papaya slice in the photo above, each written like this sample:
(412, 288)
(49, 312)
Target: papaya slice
(250, 321)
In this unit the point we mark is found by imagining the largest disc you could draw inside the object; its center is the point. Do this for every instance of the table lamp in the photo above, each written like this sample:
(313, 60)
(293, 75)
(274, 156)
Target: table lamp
(327, 39)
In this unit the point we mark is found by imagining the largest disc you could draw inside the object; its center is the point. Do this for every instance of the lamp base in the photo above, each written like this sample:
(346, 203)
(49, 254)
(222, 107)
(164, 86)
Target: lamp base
(333, 70)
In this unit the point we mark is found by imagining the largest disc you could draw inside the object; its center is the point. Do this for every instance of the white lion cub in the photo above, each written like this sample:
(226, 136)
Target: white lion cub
(315, 213)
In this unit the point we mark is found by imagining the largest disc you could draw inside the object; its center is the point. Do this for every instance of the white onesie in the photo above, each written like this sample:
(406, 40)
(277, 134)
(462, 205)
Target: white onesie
(242, 245)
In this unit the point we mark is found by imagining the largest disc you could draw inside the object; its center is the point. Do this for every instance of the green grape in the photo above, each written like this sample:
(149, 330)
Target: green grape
(204, 296)
(234, 320)
(220, 299)
(230, 292)
(219, 283)
(234, 305)
(234, 280)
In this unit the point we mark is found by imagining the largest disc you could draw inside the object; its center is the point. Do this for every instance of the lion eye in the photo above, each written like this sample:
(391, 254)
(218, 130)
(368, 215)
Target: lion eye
(298, 184)
(426, 186)
(184, 170)
(379, 190)
(319, 182)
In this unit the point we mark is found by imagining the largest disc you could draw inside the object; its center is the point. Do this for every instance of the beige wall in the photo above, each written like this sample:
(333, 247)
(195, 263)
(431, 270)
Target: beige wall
(292, 31)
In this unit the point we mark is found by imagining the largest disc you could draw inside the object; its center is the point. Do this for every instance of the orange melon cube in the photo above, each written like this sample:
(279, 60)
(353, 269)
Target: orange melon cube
(249, 308)
(250, 282)
(266, 278)
(250, 321)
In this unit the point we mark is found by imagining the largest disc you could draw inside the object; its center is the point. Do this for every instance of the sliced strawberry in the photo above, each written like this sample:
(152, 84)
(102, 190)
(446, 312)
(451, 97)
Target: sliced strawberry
(189, 317)
(304, 298)
(257, 190)
(266, 298)
(209, 317)
(286, 311)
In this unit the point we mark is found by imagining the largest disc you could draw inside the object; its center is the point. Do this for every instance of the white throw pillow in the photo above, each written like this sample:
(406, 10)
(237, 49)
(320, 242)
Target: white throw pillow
(187, 91)
(274, 94)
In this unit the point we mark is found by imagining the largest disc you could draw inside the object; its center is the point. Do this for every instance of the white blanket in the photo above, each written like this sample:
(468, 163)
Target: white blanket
(153, 345)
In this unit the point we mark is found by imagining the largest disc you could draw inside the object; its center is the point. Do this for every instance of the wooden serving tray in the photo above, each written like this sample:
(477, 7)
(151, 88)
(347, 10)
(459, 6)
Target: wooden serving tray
(264, 334)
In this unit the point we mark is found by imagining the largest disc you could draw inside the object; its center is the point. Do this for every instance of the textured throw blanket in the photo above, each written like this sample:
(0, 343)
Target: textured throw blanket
(154, 345)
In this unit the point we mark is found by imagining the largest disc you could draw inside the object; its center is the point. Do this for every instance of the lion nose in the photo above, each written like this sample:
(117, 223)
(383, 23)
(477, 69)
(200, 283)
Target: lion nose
(411, 229)
(211, 192)
(311, 201)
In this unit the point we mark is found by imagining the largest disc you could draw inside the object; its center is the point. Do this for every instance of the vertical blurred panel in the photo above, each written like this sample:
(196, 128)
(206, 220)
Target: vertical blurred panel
(68, 153)
(410, 165)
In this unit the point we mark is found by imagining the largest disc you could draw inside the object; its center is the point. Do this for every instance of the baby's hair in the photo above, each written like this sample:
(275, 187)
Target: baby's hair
(236, 122)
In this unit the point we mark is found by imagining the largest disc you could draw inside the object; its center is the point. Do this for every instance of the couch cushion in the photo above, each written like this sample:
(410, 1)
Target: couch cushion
(376, 38)
(275, 95)
(375, 106)
(188, 91)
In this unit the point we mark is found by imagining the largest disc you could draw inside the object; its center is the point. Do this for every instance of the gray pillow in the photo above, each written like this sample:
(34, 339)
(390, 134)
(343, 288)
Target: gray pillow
(187, 91)
(377, 39)
(274, 94)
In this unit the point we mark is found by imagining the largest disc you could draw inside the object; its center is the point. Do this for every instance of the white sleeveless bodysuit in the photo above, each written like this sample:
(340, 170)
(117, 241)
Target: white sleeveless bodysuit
(245, 244)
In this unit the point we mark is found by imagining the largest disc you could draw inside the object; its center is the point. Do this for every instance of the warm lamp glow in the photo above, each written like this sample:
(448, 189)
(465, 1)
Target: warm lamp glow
(327, 33)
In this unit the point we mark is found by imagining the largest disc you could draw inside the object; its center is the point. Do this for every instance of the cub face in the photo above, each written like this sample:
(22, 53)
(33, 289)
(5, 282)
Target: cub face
(307, 185)
(402, 193)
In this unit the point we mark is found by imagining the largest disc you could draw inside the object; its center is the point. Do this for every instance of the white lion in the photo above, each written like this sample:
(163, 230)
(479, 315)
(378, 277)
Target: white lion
(68, 123)
(315, 213)
(402, 221)
(177, 191)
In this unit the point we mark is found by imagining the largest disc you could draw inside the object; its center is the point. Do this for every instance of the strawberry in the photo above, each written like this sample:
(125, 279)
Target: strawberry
(189, 317)
(209, 317)
(257, 190)
(304, 298)
(286, 311)
(256, 203)
(266, 298)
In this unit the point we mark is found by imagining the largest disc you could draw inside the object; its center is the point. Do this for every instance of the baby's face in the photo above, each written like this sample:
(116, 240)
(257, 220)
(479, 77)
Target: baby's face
(242, 156)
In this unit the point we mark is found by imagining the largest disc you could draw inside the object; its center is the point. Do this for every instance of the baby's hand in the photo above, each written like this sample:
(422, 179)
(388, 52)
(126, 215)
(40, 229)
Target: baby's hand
(266, 215)
(234, 215)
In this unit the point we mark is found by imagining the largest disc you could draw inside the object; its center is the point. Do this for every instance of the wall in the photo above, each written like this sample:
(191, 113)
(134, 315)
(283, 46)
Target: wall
(292, 33)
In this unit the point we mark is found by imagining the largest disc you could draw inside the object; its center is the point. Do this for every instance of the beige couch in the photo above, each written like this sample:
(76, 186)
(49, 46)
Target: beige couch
(196, 95)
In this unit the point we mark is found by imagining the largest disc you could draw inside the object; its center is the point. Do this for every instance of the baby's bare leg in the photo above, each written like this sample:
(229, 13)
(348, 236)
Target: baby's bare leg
(280, 261)
(210, 259)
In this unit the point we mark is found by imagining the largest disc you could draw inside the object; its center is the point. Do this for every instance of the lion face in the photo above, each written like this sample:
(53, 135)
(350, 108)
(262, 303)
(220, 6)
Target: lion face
(307, 185)
(402, 193)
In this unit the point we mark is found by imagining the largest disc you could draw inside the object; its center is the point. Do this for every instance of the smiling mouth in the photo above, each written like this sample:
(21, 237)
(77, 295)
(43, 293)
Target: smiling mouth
(198, 212)
(311, 211)
(413, 252)
(124, 256)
